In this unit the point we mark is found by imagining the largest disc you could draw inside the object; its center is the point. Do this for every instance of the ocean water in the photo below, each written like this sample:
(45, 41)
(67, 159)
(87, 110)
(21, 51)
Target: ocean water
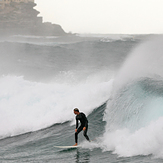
(116, 80)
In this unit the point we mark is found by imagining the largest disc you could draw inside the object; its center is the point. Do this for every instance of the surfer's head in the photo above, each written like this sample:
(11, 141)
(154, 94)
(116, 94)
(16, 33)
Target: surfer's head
(76, 111)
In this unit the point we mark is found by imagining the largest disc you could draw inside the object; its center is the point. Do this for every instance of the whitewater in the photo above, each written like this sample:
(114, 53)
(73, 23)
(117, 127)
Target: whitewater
(136, 128)
(116, 80)
(29, 106)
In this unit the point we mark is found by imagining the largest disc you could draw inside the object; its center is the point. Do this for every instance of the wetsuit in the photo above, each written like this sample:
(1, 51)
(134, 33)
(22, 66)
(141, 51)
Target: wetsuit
(84, 123)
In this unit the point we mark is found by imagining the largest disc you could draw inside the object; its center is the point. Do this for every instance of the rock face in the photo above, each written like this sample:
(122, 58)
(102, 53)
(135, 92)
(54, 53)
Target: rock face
(22, 19)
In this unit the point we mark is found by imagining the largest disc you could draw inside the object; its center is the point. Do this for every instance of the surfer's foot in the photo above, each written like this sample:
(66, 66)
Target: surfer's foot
(75, 144)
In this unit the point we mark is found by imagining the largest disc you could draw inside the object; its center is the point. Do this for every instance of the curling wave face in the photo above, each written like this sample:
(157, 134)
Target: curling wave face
(134, 116)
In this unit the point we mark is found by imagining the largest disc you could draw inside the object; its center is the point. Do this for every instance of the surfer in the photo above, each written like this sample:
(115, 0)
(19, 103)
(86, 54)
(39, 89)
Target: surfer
(83, 126)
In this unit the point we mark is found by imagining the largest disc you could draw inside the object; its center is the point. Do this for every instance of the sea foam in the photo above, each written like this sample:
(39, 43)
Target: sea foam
(134, 116)
(29, 106)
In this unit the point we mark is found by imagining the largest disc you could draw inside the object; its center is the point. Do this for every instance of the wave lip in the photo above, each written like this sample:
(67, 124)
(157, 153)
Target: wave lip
(134, 116)
(135, 122)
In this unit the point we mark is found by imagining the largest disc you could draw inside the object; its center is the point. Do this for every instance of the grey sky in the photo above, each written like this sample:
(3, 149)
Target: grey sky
(104, 16)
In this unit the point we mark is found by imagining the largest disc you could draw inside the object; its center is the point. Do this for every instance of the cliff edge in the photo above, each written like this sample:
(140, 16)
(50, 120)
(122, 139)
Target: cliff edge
(22, 19)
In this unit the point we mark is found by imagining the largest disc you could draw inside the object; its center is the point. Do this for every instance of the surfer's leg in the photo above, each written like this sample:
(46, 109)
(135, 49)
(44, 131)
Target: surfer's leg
(85, 133)
(76, 133)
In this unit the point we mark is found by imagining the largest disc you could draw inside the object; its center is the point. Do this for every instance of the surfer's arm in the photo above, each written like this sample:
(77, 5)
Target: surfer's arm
(85, 121)
(77, 123)
(84, 128)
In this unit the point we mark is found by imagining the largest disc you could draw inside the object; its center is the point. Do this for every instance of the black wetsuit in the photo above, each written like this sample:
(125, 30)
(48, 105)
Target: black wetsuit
(84, 123)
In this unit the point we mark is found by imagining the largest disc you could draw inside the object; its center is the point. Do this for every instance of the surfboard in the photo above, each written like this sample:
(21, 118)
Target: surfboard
(67, 147)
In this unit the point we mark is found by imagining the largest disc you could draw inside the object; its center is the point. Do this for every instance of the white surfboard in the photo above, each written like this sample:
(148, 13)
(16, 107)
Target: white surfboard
(67, 147)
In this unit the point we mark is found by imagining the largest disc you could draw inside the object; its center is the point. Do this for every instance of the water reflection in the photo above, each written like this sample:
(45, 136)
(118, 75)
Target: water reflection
(82, 156)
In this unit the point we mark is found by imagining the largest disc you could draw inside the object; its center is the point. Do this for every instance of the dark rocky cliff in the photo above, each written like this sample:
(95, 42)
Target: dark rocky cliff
(22, 19)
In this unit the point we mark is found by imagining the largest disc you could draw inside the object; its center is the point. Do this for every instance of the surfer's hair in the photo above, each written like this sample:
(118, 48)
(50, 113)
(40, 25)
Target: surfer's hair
(76, 109)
